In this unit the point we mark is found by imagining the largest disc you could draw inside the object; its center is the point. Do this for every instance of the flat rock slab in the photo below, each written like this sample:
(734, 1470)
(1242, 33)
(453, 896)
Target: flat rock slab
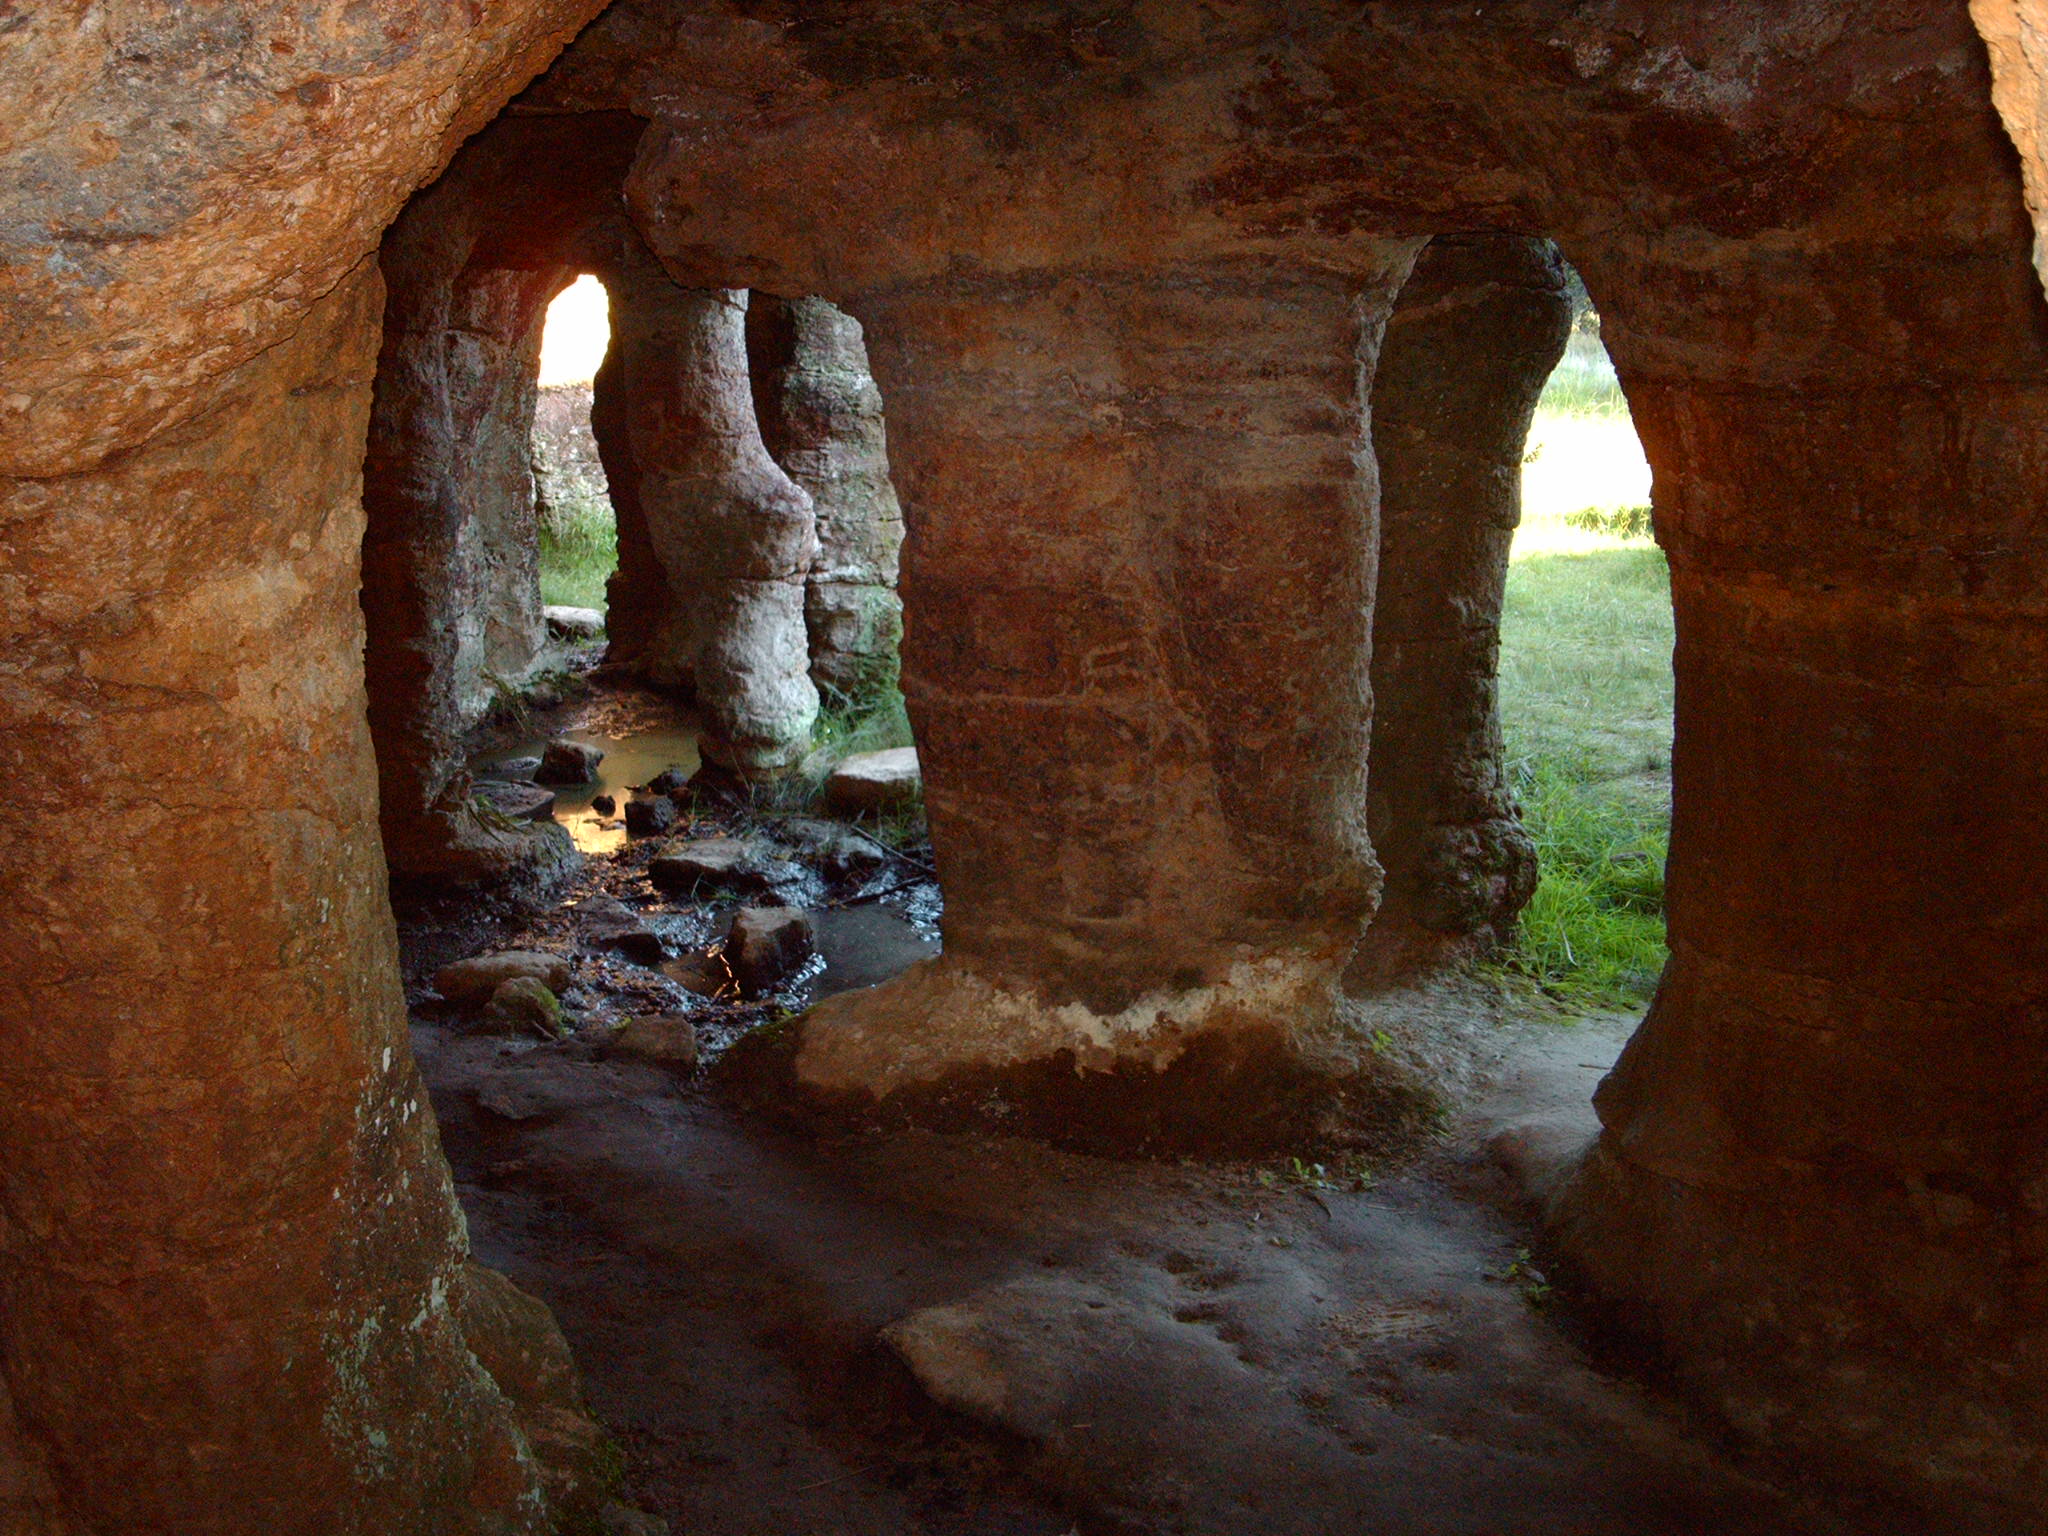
(837, 852)
(568, 762)
(723, 863)
(567, 623)
(874, 781)
(479, 977)
(521, 802)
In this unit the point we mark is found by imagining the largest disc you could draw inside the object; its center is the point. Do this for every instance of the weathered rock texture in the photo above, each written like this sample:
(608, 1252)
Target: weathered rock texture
(1142, 535)
(1478, 329)
(450, 579)
(715, 540)
(232, 1268)
(1806, 232)
(2016, 34)
(821, 418)
(1117, 270)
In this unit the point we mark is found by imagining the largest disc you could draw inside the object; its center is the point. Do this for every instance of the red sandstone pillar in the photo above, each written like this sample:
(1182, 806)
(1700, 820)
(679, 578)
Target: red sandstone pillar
(1137, 586)
(450, 586)
(231, 1264)
(821, 417)
(1477, 331)
(1822, 1180)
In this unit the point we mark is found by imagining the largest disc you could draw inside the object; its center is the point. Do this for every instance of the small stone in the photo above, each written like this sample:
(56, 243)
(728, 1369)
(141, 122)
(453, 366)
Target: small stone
(511, 770)
(524, 1005)
(668, 781)
(668, 1040)
(466, 980)
(839, 853)
(520, 802)
(726, 863)
(649, 815)
(766, 944)
(568, 762)
(874, 781)
(566, 623)
(608, 921)
(604, 805)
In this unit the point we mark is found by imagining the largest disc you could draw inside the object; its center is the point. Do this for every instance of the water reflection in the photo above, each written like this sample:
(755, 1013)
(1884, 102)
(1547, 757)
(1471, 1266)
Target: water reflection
(628, 760)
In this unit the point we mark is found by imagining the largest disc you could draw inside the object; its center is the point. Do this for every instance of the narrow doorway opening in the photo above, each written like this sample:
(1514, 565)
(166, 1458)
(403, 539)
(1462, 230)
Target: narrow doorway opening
(579, 534)
(1586, 686)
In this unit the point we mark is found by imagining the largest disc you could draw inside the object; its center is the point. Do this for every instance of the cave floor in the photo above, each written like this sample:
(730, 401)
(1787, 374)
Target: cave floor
(1127, 1346)
(1074, 1344)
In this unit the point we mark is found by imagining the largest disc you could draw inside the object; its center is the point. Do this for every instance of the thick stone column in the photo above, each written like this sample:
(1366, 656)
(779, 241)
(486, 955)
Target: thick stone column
(732, 534)
(821, 417)
(1137, 589)
(636, 595)
(1477, 331)
(450, 576)
(1822, 1180)
(232, 1270)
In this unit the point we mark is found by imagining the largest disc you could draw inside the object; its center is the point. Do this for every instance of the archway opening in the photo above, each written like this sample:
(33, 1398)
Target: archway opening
(1586, 686)
(578, 529)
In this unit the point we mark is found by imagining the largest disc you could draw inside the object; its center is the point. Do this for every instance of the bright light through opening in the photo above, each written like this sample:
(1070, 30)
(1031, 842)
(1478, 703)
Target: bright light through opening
(578, 328)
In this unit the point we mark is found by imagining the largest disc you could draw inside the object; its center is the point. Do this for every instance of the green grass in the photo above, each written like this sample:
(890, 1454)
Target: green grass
(579, 547)
(1584, 383)
(1586, 702)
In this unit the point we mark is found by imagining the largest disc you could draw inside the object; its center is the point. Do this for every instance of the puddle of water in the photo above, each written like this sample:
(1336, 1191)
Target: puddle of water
(857, 947)
(863, 945)
(628, 760)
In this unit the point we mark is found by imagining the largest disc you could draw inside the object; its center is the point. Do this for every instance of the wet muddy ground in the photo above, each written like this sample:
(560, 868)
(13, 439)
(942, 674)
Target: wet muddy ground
(916, 1333)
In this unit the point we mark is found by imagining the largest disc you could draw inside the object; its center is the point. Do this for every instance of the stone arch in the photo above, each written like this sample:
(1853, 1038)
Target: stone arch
(450, 586)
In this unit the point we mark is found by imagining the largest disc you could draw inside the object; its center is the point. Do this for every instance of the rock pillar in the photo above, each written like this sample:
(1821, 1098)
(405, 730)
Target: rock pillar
(821, 417)
(1821, 1178)
(1137, 587)
(231, 1263)
(1477, 331)
(450, 576)
(732, 536)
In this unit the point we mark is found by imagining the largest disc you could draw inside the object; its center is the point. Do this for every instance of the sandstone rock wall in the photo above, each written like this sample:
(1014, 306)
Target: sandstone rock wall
(1115, 271)
(450, 584)
(2016, 35)
(1806, 233)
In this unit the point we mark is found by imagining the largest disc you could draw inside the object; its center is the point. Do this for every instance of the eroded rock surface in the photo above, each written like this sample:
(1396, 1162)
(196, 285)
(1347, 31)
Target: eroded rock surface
(1122, 280)
(1478, 328)
(711, 583)
(230, 1288)
(821, 417)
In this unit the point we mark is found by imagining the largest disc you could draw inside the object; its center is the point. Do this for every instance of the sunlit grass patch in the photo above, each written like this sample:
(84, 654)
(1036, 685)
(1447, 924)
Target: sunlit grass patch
(1594, 931)
(579, 549)
(1586, 693)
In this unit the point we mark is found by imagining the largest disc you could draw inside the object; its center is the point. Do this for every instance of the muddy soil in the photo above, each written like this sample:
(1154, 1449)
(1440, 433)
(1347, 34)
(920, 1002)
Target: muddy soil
(916, 1333)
